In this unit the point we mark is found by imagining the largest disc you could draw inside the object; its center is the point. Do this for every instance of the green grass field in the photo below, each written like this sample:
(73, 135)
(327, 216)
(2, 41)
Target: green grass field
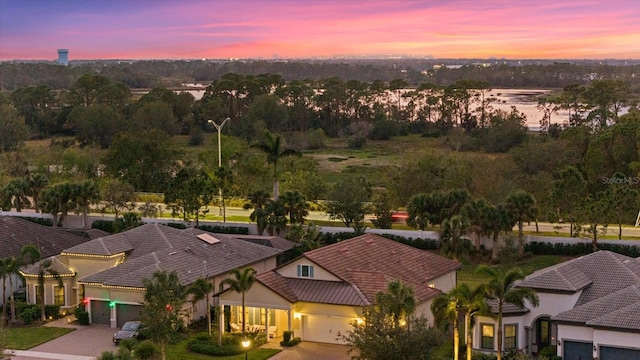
(23, 338)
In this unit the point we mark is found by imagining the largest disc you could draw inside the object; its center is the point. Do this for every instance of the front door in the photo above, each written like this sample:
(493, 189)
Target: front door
(543, 333)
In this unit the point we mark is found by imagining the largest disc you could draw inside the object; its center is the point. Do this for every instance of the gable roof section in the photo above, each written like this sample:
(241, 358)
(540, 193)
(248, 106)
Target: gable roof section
(58, 264)
(366, 264)
(599, 274)
(16, 232)
(153, 247)
(618, 310)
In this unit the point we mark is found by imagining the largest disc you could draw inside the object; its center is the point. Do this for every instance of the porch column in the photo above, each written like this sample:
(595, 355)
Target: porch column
(289, 319)
(221, 319)
(266, 324)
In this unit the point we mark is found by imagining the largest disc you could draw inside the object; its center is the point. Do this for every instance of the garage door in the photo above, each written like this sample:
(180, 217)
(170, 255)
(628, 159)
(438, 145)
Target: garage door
(614, 353)
(574, 350)
(100, 312)
(127, 312)
(324, 329)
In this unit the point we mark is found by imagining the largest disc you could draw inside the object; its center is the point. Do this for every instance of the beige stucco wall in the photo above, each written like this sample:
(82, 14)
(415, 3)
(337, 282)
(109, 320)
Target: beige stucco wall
(49, 284)
(445, 282)
(85, 266)
(574, 333)
(290, 270)
(258, 296)
(615, 339)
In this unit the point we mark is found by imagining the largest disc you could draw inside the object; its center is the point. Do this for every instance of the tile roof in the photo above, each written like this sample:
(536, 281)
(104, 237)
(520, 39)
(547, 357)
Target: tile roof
(599, 274)
(507, 308)
(58, 264)
(620, 309)
(271, 241)
(610, 285)
(154, 247)
(366, 264)
(16, 232)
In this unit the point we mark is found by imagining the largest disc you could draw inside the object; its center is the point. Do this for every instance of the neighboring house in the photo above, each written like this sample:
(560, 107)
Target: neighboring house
(107, 273)
(322, 293)
(16, 233)
(589, 308)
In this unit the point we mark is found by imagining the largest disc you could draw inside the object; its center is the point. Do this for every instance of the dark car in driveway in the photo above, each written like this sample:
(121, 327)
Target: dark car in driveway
(130, 330)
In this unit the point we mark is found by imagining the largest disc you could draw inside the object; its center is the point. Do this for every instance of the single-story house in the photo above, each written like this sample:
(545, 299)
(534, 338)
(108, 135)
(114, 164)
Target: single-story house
(15, 233)
(107, 273)
(589, 308)
(321, 293)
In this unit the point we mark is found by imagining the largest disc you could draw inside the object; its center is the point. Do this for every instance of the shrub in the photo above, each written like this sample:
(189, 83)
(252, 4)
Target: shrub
(83, 317)
(177, 225)
(286, 336)
(104, 225)
(483, 356)
(241, 230)
(28, 312)
(548, 351)
(107, 355)
(144, 350)
(128, 344)
(52, 311)
(293, 342)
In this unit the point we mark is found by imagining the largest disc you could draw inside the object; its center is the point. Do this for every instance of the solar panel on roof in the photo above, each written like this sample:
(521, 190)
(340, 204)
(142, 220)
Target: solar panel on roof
(208, 239)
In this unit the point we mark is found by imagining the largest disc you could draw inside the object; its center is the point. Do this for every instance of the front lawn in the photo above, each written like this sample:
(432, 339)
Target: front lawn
(179, 351)
(468, 275)
(23, 338)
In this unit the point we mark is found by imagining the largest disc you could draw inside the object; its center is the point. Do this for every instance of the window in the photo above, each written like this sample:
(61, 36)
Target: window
(38, 294)
(58, 295)
(305, 271)
(487, 336)
(510, 336)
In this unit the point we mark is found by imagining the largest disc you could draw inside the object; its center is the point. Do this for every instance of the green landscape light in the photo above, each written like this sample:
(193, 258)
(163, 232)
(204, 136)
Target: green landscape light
(112, 304)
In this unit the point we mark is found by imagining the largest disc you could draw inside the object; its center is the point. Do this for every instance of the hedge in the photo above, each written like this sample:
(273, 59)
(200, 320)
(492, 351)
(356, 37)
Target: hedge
(577, 249)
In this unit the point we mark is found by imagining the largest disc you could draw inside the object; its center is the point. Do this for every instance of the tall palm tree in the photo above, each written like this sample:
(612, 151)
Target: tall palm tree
(200, 289)
(398, 301)
(451, 241)
(272, 146)
(501, 289)
(445, 309)
(522, 206)
(241, 282)
(85, 194)
(12, 267)
(470, 302)
(258, 201)
(44, 268)
(4, 274)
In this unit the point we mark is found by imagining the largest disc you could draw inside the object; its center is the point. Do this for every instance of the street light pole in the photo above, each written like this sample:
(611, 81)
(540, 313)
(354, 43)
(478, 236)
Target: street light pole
(219, 128)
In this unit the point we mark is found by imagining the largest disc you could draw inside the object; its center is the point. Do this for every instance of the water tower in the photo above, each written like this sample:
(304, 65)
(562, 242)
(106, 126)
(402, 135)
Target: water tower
(63, 56)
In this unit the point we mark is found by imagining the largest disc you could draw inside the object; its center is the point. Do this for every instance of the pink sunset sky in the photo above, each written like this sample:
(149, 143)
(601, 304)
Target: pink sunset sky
(218, 29)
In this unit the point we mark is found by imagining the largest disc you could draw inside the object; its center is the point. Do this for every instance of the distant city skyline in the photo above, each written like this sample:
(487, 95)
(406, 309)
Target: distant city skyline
(287, 29)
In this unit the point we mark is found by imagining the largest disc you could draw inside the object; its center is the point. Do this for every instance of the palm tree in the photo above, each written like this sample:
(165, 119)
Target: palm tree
(272, 147)
(12, 267)
(470, 302)
(419, 210)
(199, 290)
(86, 194)
(522, 205)
(44, 268)
(296, 206)
(501, 289)
(163, 298)
(37, 182)
(4, 274)
(241, 282)
(258, 201)
(451, 241)
(398, 301)
(445, 309)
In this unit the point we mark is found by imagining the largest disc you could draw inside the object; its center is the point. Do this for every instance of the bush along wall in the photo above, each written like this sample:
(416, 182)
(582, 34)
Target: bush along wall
(577, 249)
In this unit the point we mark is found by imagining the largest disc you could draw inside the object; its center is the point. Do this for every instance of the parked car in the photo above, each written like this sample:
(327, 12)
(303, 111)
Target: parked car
(130, 330)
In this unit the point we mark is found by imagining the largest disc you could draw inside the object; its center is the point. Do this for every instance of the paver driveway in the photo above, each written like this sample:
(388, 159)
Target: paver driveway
(89, 341)
(307, 350)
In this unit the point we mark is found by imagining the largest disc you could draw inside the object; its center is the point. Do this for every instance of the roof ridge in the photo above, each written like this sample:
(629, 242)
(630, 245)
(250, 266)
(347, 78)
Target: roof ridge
(567, 281)
(360, 294)
(163, 236)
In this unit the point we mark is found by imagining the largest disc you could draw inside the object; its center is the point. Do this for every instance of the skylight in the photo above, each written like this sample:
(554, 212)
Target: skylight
(208, 239)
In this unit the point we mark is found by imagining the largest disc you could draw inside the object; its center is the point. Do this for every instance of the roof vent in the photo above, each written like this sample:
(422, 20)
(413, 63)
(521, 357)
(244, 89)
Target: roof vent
(208, 239)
